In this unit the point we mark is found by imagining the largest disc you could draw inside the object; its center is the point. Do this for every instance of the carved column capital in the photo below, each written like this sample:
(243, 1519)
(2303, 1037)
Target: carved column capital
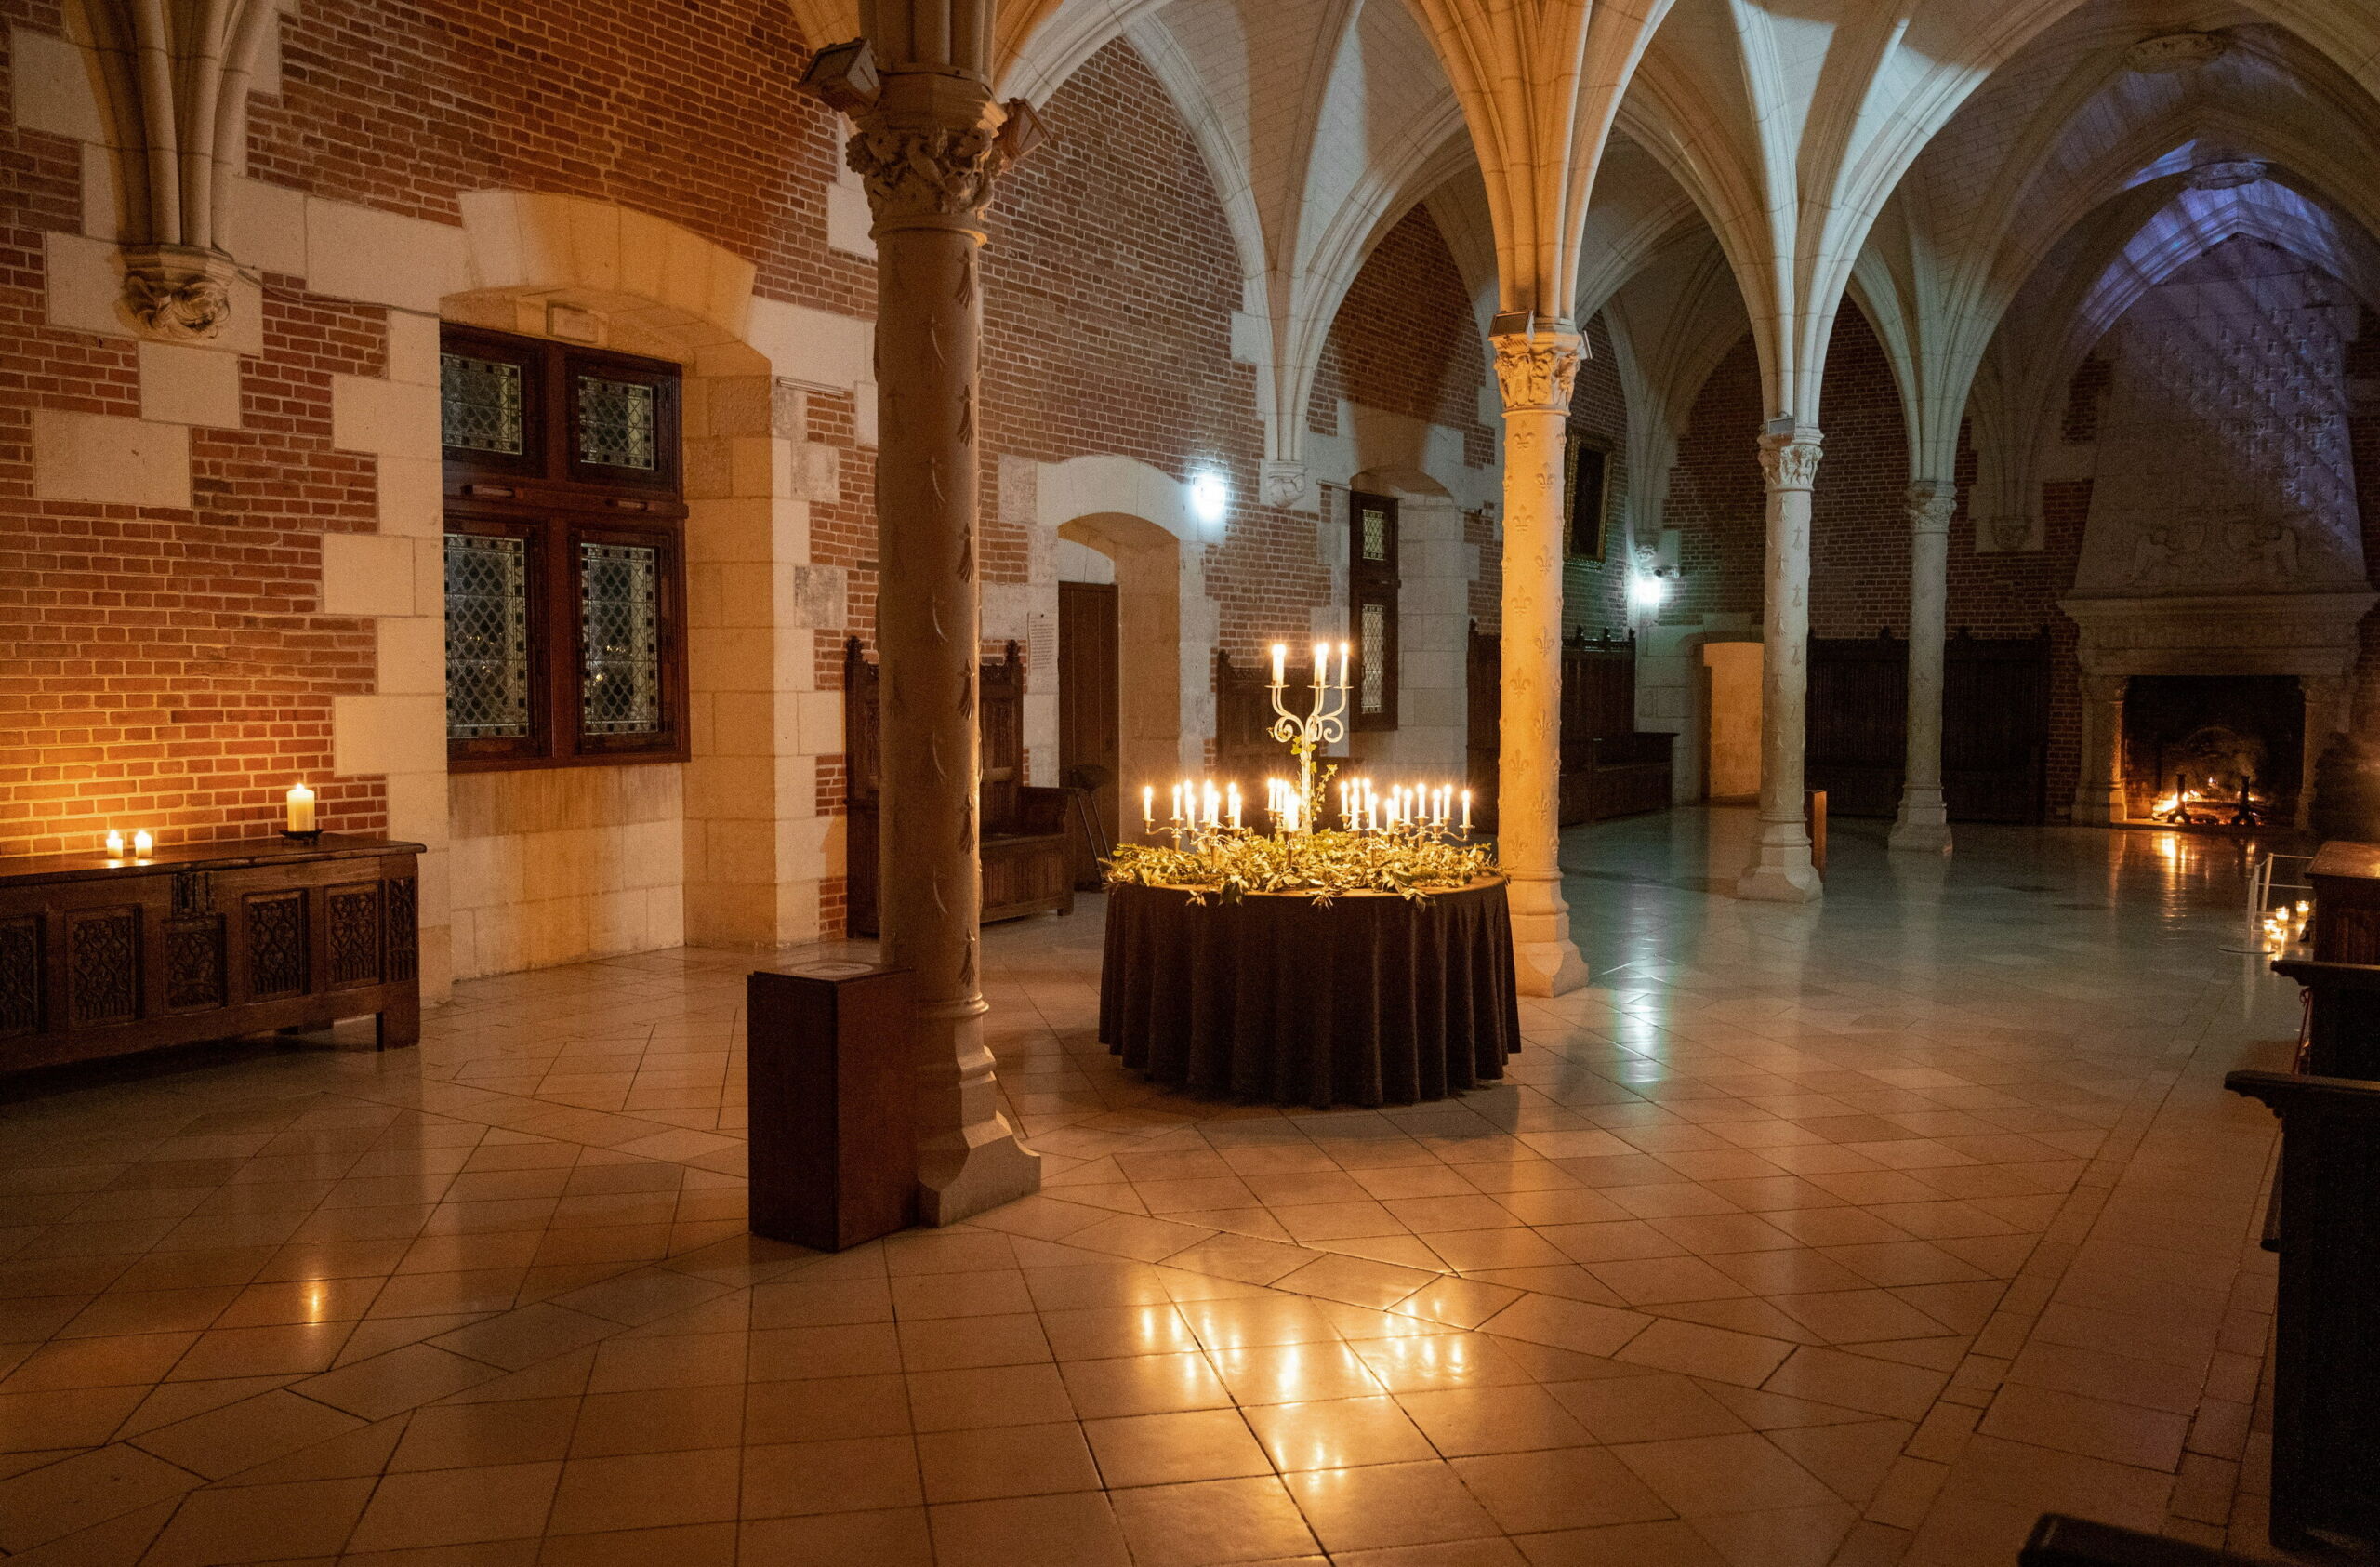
(1537, 367)
(1931, 503)
(175, 293)
(930, 147)
(1789, 458)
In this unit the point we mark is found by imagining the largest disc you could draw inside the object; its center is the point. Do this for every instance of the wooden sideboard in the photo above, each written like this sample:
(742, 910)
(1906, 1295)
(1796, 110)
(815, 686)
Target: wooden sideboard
(101, 957)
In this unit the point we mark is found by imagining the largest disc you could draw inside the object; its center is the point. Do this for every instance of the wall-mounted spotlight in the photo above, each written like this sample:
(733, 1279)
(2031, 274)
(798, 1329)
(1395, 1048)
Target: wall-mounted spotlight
(1209, 499)
(1650, 581)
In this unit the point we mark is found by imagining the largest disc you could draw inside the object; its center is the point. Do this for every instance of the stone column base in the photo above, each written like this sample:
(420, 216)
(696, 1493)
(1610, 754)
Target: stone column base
(958, 1180)
(1780, 870)
(1548, 968)
(1924, 826)
(2099, 805)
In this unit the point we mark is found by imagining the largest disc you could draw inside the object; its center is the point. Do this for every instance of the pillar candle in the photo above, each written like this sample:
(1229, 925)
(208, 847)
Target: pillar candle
(142, 844)
(301, 808)
(1235, 806)
(1280, 664)
(1148, 806)
(115, 844)
(1321, 665)
(1342, 666)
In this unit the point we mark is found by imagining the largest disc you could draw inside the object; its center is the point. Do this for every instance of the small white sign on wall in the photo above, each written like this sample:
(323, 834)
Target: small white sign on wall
(1041, 652)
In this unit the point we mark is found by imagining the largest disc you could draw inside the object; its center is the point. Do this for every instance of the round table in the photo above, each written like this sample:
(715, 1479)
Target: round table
(1368, 998)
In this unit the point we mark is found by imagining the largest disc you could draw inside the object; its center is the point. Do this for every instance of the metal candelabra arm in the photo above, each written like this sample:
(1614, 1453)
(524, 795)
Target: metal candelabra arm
(1324, 723)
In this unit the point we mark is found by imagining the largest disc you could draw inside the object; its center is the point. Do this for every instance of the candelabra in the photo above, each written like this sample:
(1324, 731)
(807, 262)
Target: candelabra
(1325, 722)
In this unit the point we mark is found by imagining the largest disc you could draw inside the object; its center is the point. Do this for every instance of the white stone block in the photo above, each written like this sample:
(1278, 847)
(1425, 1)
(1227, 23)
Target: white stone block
(812, 345)
(411, 654)
(84, 284)
(361, 253)
(412, 497)
(391, 417)
(817, 474)
(54, 85)
(388, 734)
(110, 461)
(413, 348)
(264, 227)
(185, 385)
(849, 220)
(818, 723)
(367, 574)
(103, 208)
(417, 808)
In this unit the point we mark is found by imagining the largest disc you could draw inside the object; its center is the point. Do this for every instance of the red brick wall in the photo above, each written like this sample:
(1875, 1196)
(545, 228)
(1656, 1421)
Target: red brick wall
(1595, 593)
(1404, 341)
(165, 668)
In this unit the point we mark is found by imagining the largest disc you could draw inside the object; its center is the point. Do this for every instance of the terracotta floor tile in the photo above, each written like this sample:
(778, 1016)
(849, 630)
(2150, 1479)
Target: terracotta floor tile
(662, 1420)
(457, 1506)
(1294, 1373)
(1387, 1505)
(1559, 1488)
(1213, 1522)
(261, 1523)
(1741, 1473)
(975, 1465)
(647, 1490)
(1632, 1409)
(850, 1475)
(1463, 1421)
(895, 1537)
(473, 1436)
(1143, 1385)
(1077, 1529)
(1170, 1449)
(1338, 1433)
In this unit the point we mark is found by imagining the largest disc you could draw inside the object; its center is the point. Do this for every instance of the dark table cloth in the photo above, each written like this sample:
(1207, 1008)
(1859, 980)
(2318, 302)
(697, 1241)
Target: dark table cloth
(1367, 1000)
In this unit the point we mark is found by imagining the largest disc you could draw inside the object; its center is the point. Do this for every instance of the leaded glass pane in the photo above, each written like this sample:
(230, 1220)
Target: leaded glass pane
(1375, 650)
(1375, 534)
(620, 662)
(479, 402)
(616, 424)
(487, 637)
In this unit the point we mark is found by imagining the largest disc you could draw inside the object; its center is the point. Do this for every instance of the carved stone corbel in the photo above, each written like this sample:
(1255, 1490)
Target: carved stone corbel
(176, 294)
(1283, 483)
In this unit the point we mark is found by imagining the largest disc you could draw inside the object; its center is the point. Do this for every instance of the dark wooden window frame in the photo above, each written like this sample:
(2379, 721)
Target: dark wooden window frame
(1574, 546)
(1372, 582)
(554, 502)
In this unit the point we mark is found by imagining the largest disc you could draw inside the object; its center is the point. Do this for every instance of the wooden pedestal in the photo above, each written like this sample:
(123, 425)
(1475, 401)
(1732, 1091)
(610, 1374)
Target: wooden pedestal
(834, 1153)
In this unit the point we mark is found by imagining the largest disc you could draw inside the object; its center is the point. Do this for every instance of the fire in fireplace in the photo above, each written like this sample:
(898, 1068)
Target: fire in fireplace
(2212, 750)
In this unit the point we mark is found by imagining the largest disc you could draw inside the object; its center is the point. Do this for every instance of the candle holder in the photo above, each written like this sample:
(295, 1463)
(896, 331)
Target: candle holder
(1325, 723)
(309, 837)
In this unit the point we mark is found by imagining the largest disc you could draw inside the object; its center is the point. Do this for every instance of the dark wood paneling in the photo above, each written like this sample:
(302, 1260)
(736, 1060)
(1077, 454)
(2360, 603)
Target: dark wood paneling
(1026, 866)
(1609, 768)
(1995, 731)
(1090, 726)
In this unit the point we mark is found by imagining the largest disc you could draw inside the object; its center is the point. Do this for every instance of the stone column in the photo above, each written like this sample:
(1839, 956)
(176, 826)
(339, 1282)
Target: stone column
(2326, 715)
(1923, 827)
(2098, 797)
(928, 152)
(1536, 364)
(1780, 870)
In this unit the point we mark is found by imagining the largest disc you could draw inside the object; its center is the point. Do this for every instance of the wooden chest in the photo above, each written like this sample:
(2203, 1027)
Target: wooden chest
(101, 957)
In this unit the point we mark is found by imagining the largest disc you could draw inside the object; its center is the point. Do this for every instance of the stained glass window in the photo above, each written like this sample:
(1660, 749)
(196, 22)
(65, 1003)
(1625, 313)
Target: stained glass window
(478, 404)
(487, 637)
(618, 427)
(1375, 650)
(620, 619)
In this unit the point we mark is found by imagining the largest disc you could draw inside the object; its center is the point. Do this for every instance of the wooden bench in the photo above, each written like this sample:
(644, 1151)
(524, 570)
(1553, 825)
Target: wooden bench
(1027, 865)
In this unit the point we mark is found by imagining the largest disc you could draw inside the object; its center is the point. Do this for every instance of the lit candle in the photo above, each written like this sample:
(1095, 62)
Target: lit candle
(1234, 806)
(1466, 810)
(1281, 665)
(1176, 817)
(1321, 665)
(301, 808)
(1148, 806)
(1342, 666)
(115, 844)
(142, 844)
(1214, 807)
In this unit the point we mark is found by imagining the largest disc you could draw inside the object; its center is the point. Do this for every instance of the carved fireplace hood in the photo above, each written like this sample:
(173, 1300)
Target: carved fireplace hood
(2310, 635)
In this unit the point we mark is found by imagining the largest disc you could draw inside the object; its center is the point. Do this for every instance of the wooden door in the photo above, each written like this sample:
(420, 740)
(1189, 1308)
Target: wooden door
(1088, 676)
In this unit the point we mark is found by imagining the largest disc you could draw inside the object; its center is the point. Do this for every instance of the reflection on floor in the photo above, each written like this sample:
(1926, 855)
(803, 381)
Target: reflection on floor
(1852, 1234)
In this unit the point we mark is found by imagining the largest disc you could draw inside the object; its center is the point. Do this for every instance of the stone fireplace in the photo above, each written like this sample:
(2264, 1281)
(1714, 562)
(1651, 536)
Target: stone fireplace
(2206, 739)
(2222, 560)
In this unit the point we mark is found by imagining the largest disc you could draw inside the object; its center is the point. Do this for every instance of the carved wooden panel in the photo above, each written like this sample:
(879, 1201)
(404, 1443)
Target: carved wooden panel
(19, 976)
(354, 933)
(277, 944)
(194, 964)
(403, 938)
(103, 965)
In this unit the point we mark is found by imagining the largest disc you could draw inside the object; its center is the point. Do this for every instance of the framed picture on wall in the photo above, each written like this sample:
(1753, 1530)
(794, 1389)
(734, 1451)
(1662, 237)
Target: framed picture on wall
(1586, 496)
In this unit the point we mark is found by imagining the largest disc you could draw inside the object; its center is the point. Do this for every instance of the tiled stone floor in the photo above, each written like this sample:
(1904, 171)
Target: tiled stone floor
(1855, 1234)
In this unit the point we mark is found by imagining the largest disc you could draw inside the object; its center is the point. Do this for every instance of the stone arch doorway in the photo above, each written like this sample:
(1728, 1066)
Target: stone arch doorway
(1145, 561)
